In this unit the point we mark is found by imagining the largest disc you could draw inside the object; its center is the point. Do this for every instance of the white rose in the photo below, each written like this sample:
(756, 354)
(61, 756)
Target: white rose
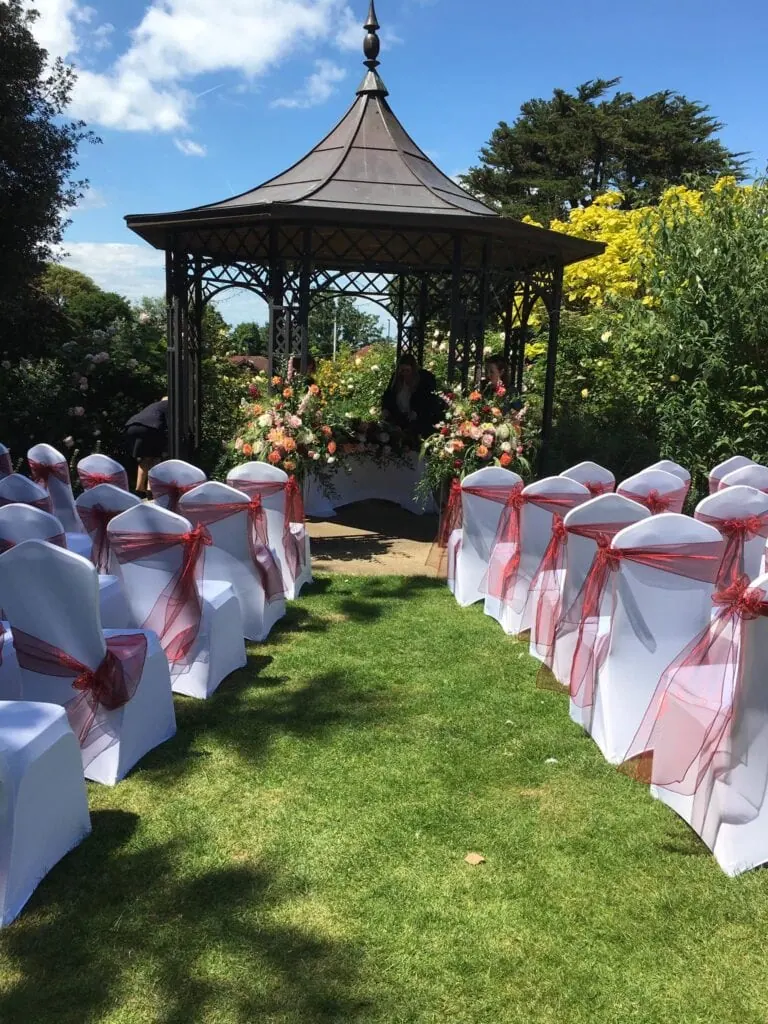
(264, 420)
(375, 367)
(331, 460)
(315, 456)
(349, 415)
(506, 446)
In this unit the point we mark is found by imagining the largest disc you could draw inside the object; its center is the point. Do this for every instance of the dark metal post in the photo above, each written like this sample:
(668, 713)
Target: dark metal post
(548, 411)
(276, 319)
(522, 331)
(456, 317)
(196, 359)
(305, 280)
(400, 315)
(175, 384)
(421, 328)
(482, 310)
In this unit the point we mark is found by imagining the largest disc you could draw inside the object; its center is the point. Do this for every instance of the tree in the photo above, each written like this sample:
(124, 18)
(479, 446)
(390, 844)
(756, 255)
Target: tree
(39, 156)
(249, 339)
(353, 326)
(88, 307)
(563, 152)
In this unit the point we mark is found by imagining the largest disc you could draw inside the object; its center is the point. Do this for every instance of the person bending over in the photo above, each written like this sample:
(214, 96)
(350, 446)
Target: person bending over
(146, 436)
(411, 402)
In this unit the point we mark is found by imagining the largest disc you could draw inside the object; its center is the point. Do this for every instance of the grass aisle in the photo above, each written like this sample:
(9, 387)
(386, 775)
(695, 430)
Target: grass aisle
(296, 853)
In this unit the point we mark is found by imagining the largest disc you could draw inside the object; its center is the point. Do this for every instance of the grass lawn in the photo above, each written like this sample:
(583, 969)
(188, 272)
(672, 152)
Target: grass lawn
(296, 853)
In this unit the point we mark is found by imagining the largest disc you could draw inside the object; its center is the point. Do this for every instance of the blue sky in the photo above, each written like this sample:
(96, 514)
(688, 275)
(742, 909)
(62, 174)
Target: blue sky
(197, 100)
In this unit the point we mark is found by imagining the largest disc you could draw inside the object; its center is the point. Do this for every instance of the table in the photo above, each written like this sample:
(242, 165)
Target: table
(361, 479)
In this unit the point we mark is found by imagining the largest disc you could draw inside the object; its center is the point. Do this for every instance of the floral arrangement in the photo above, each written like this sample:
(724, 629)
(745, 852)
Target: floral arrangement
(286, 428)
(478, 431)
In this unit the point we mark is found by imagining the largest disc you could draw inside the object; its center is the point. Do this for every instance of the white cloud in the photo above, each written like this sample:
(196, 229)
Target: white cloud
(131, 270)
(92, 200)
(189, 147)
(320, 85)
(147, 87)
(101, 37)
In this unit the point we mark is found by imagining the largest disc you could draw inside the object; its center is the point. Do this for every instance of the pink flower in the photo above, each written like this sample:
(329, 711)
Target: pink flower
(488, 440)
(475, 433)
(295, 421)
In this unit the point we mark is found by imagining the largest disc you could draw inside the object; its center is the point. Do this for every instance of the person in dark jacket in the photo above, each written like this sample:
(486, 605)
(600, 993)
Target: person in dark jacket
(411, 402)
(146, 436)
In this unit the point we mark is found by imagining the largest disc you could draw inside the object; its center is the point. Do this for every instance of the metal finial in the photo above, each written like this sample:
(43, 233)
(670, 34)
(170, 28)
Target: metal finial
(372, 84)
(371, 43)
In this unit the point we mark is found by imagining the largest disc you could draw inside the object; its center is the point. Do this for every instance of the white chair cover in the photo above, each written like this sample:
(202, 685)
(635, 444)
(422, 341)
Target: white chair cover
(60, 490)
(606, 510)
(98, 469)
(17, 488)
(675, 469)
(219, 648)
(516, 614)
(229, 559)
(734, 503)
(113, 500)
(655, 614)
(469, 553)
(53, 595)
(724, 468)
(754, 475)
(43, 801)
(274, 506)
(170, 479)
(597, 479)
(651, 482)
(723, 797)
(6, 466)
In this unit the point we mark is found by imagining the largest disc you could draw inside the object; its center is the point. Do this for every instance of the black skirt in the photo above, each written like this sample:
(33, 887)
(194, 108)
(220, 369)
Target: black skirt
(145, 442)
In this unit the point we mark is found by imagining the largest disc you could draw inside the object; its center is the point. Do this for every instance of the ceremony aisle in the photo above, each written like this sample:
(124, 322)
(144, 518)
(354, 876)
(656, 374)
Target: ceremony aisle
(296, 853)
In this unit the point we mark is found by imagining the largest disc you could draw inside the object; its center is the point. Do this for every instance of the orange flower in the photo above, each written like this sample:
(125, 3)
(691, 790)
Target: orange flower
(314, 389)
(457, 445)
(289, 465)
(288, 393)
(482, 452)
(326, 431)
(258, 410)
(331, 447)
(276, 436)
(274, 457)
(289, 444)
(247, 449)
(475, 396)
(277, 380)
(505, 460)
(495, 411)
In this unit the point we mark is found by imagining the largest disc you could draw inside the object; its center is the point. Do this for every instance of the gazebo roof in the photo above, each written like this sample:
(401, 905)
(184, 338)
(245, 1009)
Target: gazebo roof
(367, 173)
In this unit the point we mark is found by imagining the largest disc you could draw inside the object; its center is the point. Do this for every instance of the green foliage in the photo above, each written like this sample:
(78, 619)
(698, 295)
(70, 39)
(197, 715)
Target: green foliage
(352, 386)
(39, 156)
(563, 152)
(354, 327)
(249, 339)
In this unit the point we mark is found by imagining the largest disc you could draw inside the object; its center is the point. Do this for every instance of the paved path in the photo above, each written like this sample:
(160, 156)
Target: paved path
(373, 538)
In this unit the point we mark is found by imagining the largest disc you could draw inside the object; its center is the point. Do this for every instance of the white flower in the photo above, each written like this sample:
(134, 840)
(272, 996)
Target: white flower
(443, 347)
(349, 415)
(358, 361)
(6, 364)
(375, 367)
(24, 364)
(434, 345)
(101, 357)
(69, 442)
(315, 456)
(487, 350)
(605, 336)
(132, 364)
(331, 460)
(265, 420)
(144, 317)
(506, 446)
(77, 410)
(373, 410)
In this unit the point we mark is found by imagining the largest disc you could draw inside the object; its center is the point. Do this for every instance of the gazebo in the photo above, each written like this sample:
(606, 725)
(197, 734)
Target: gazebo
(364, 214)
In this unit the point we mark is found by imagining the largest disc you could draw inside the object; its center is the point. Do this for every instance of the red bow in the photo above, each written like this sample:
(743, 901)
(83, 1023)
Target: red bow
(90, 480)
(43, 471)
(96, 519)
(172, 491)
(110, 686)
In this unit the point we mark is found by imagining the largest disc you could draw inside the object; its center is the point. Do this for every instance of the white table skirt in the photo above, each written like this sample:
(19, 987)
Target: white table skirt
(362, 479)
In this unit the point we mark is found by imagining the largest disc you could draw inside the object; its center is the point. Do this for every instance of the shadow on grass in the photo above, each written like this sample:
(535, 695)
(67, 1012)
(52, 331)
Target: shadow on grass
(350, 549)
(116, 923)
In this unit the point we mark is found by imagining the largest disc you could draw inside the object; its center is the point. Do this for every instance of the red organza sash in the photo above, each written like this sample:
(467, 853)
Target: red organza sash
(172, 491)
(502, 579)
(656, 502)
(737, 532)
(714, 483)
(598, 487)
(59, 539)
(177, 613)
(90, 480)
(694, 561)
(43, 471)
(6, 467)
(263, 560)
(452, 518)
(44, 503)
(110, 686)
(96, 519)
(684, 742)
(293, 543)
